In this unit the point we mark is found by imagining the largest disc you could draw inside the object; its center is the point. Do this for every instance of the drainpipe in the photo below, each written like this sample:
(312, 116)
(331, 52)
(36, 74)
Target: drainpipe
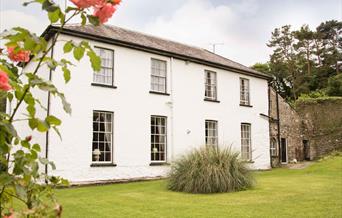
(171, 105)
(269, 120)
(278, 125)
(47, 114)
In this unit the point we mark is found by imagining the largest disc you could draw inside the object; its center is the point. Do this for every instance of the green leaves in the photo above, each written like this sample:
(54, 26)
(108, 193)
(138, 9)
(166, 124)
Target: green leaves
(94, 60)
(79, 53)
(66, 74)
(68, 47)
(44, 125)
(54, 16)
(53, 121)
(93, 20)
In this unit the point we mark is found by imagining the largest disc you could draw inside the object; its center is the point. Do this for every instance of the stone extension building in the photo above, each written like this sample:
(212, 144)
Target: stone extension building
(310, 130)
(286, 127)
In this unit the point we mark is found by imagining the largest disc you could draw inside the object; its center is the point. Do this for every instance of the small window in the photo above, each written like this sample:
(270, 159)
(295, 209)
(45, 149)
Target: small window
(102, 136)
(273, 148)
(210, 85)
(106, 74)
(158, 76)
(244, 91)
(246, 142)
(158, 138)
(211, 137)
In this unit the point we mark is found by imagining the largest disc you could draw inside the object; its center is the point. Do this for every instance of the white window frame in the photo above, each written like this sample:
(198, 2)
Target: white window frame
(101, 73)
(156, 142)
(211, 132)
(98, 131)
(244, 92)
(210, 85)
(246, 141)
(158, 76)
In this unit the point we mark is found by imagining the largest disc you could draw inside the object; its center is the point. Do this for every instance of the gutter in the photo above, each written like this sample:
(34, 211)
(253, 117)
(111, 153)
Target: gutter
(51, 30)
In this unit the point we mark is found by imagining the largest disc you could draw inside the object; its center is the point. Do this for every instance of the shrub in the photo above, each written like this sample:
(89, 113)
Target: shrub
(210, 170)
(335, 85)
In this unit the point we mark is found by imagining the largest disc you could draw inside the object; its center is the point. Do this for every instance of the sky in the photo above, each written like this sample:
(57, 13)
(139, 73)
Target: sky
(241, 28)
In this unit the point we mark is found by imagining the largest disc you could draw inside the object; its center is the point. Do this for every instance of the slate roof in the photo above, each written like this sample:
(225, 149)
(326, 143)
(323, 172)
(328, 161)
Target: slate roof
(121, 36)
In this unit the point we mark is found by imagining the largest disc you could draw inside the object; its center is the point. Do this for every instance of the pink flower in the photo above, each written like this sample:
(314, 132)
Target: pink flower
(105, 12)
(4, 85)
(20, 56)
(88, 3)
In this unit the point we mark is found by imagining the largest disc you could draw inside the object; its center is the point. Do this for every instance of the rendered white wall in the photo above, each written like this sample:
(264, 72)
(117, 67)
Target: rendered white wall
(133, 105)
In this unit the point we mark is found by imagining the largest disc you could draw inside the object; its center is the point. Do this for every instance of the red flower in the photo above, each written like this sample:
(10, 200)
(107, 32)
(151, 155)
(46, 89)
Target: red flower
(116, 2)
(105, 12)
(88, 3)
(20, 56)
(4, 85)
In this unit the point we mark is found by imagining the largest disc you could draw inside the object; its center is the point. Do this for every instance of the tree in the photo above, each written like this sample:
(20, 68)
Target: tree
(20, 160)
(284, 57)
(330, 33)
(303, 60)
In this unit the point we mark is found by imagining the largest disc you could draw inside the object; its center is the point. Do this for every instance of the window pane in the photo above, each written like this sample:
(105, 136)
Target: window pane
(102, 136)
(158, 138)
(158, 75)
(244, 91)
(211, 137)
(105, 75)
(210, 85)
(246, 146)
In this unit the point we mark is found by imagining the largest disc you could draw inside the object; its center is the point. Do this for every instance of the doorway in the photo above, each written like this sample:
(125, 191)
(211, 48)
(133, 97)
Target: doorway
(283, 147)
(306, 150)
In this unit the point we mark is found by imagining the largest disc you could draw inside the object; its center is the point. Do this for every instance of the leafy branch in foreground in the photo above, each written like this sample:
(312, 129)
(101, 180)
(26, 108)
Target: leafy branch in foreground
(21, 177)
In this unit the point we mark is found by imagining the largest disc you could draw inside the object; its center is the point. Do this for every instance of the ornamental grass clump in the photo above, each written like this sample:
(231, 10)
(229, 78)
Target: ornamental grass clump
(210, 170)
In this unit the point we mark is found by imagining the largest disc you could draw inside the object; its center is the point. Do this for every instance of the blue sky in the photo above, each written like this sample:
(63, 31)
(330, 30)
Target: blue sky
(244, 26)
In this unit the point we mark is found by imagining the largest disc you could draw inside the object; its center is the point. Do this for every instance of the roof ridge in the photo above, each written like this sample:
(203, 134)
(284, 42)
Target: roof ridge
(160, 43)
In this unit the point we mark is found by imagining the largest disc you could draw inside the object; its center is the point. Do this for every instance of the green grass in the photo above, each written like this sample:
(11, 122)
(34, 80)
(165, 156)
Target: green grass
(312, 192)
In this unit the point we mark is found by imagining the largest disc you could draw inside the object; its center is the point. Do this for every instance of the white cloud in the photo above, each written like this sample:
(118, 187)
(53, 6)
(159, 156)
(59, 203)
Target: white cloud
(14, 18)
(200, 23)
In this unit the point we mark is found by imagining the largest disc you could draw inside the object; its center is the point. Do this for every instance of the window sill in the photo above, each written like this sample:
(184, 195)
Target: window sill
(246, 105)
(211, 100)
(159, 93)
(102, 165)
(159, 164)
(104, 85)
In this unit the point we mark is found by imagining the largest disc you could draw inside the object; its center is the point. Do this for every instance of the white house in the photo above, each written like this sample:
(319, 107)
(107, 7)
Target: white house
(153, 101)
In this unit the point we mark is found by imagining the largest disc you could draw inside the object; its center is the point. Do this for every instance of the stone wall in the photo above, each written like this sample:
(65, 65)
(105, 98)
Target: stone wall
(291, 129)
(322, 118)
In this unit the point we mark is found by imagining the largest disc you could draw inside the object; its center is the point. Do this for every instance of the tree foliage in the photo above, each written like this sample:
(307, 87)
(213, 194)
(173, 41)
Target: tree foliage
(305, 60)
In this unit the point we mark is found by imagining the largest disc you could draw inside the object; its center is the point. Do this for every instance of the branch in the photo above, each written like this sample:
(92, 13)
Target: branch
(39, 64)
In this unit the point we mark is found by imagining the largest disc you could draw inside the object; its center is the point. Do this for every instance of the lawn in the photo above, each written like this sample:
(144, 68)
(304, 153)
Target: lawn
(312, 192)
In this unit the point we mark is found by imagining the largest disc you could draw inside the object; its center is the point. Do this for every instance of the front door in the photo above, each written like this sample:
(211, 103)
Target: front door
(306, 149)
(283, 151)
